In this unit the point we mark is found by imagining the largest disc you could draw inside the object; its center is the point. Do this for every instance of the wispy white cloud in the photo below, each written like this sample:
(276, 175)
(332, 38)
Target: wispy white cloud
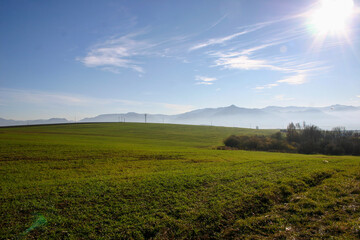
(251, 50)
(308, 67)
(116, 53)
(217, 22)
(222, 40)
(246, 63)
(259, 54)
(204, 80)
(216, 41)
(271, 85)
(244, 59)
(244, 30)
(204, 83)
(297, 72)
(294, 80)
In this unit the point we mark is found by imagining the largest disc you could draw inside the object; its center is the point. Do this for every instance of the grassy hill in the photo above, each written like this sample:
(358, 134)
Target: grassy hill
(159, 181)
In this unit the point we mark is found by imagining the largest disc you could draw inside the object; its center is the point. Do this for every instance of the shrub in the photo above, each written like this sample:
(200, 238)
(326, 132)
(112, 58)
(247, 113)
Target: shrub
(232, 141)
(259, 143)
(308, 139)
(333, 149)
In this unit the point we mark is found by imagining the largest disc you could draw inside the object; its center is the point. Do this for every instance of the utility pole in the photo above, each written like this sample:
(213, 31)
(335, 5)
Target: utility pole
(145, 117)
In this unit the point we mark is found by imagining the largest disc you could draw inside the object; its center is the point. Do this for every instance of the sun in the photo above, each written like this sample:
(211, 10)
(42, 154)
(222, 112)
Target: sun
(332, 16)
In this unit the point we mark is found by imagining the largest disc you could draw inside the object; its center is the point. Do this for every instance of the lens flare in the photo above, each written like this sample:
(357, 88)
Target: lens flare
(332, 16)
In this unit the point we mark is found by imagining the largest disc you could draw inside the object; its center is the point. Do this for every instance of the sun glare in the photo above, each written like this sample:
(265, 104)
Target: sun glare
(332, 17)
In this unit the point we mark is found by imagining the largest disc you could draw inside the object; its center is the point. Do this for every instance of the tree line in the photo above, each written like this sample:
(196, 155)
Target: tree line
(301, 138)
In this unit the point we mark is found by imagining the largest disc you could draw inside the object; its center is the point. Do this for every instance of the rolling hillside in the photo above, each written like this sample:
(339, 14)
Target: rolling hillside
(159, 181)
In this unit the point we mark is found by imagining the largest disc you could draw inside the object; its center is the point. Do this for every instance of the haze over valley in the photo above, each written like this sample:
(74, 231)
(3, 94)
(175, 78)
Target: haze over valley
(232, 116)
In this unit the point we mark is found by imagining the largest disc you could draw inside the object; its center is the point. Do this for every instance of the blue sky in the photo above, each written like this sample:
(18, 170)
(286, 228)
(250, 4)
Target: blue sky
(84, 58)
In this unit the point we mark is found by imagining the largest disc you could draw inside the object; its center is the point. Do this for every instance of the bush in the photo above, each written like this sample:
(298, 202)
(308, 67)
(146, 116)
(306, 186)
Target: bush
(259, 143)
(308, 139)
(333, 149)
(232, 141)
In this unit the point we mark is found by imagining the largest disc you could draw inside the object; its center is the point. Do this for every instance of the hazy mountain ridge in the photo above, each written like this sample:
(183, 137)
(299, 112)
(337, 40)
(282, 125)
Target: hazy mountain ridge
(10, 122)
(233, 116)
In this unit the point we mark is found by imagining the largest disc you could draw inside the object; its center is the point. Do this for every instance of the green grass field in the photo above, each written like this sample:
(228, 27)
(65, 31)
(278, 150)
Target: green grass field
(159, 181)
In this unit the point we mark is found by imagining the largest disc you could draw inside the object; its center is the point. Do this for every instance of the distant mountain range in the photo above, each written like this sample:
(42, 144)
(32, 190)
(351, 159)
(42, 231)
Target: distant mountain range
(9, 122)
(232, 116)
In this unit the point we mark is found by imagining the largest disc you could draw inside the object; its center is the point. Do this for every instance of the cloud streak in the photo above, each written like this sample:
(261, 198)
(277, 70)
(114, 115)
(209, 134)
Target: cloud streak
(247, 58)
(294, 80)
(117, 53)
(204, 80)
(222, 40)
(291, 80)
(246, 63)
(271, 85)
(267, 52)
(245, 30)
(217, 22)
(214, 41)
